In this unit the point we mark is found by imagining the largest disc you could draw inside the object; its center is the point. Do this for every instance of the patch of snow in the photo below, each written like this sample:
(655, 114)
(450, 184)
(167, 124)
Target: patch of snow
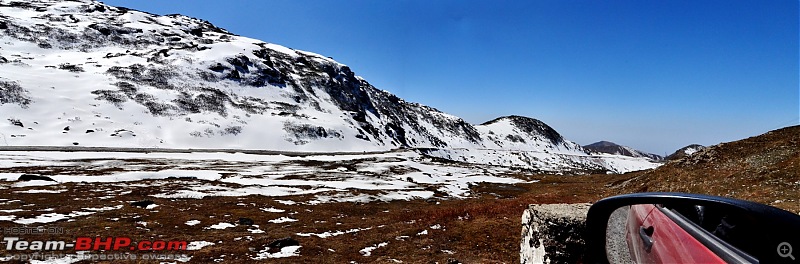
(328, 234)
(290, 251)
(286, 202)
(107, 208)
(282, 220)
(41, 191)
(50, 217)
(272, 210)
(221, 226)
(367, 251)
(197, 245)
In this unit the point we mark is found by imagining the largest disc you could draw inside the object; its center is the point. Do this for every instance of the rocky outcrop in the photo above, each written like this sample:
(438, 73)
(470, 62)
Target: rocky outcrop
(685, 151)
(553, 233)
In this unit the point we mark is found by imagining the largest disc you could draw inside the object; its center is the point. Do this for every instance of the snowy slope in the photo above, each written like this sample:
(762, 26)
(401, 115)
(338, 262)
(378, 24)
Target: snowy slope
(87, 74)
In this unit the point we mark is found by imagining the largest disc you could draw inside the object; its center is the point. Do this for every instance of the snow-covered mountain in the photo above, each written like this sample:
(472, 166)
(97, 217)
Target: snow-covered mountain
(85, 73)
(614, 148)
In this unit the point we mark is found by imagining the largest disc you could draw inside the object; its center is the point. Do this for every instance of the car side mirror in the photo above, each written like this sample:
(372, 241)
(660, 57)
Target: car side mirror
(689, 228)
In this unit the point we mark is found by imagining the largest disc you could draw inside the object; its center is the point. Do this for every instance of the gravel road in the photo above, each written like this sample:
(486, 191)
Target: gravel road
(616, 244)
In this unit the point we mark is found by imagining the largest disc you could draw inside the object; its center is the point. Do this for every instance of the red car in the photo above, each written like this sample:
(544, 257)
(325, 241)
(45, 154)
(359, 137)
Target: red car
(655, 238)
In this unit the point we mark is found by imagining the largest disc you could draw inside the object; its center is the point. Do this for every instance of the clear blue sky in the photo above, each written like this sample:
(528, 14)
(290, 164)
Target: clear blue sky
(655, 75)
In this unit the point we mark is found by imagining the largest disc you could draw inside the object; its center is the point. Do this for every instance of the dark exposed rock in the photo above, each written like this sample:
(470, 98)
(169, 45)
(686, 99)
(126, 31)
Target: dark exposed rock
(246, 221)
(142, 203)
(12, 92)
(34, 177)
(196, 32)
(70, 67)
(114, 30)
(218, 68)
(283, 242)
(66, 128)
(16, 122)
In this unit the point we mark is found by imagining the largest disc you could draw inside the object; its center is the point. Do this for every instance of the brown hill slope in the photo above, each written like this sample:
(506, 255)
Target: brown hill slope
(764, 169)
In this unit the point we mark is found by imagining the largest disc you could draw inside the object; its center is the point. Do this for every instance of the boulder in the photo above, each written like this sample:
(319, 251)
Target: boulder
(142, 203)
(34, 177)
(553, 233)
(246, 221)
(283, 242)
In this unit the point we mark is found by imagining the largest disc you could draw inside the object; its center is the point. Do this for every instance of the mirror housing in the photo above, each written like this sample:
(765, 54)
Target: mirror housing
(774, 228)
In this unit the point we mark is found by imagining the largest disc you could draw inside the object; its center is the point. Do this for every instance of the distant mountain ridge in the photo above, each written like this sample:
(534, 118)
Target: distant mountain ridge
(88, 74)
(613, 148)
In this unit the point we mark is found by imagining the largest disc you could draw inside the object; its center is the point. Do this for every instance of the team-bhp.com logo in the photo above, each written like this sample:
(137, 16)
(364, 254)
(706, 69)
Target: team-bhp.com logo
(93, 243)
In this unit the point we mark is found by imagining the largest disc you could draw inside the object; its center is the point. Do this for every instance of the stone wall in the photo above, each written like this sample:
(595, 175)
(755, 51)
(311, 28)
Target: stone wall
(553, 233)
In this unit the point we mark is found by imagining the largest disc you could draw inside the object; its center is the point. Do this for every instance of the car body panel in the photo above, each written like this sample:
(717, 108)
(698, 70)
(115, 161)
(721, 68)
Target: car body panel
(671, 244)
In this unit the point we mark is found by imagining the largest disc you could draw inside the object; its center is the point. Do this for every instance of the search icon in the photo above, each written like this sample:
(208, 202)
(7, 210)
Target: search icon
(785, 250)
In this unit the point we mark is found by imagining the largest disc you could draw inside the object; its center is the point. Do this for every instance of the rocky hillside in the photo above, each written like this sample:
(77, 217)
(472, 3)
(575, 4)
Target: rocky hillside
(88, 74)
(613, 148)
(764, 168)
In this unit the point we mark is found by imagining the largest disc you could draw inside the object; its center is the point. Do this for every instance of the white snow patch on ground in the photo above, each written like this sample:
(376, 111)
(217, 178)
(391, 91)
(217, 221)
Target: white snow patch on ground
(286, 202)
(282, 220)
(328, 234)
(41, 191)
(221, 226)
(285, 252)
(367, 251)
(192, 222)
(32, 183)
(272, 210)
(197, 245)
(50, 217)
